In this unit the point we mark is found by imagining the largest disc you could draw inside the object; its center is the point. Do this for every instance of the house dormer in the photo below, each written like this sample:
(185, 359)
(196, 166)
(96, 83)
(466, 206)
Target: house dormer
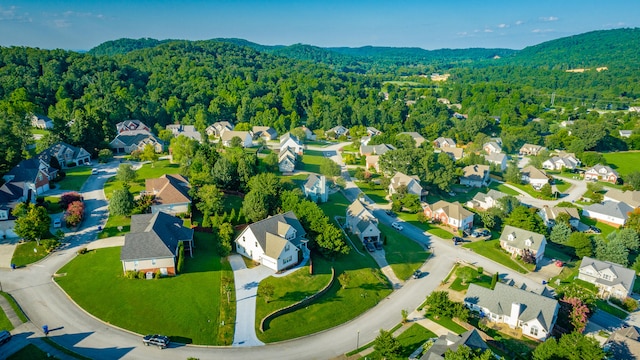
(286, 231)
(608, 275)
(512, 236)
(528, 242)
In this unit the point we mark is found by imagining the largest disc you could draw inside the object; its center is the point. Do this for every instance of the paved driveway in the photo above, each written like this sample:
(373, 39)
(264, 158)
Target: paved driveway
(6, 252)
(246, 282)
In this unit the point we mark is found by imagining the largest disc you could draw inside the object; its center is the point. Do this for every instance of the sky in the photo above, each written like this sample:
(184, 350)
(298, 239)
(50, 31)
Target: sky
(428, 24)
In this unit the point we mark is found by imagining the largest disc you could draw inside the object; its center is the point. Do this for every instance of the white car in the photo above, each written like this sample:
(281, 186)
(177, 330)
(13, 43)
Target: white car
(94, 171)
(396, 225)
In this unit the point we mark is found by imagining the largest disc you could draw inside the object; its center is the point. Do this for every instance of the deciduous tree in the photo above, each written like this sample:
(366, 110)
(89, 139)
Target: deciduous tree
(32, 221)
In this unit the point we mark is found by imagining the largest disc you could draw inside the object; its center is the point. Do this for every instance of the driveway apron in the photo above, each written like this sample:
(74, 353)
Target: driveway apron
(246, 283)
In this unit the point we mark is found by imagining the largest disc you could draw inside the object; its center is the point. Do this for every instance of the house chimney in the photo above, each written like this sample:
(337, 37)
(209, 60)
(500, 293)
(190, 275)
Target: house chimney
(515, 314)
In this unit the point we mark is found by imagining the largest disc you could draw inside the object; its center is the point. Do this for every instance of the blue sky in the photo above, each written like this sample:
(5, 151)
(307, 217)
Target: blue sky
(515, 24)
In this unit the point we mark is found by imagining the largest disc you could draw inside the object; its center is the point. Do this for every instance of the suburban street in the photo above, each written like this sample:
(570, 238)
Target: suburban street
(45, 303)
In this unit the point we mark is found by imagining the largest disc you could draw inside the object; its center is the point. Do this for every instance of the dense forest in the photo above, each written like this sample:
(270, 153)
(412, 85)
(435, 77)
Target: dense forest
(200, 82)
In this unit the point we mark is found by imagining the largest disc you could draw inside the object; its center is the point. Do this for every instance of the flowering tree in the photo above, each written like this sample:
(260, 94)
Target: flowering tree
(74, 213)
(579, 313)
(69, 197)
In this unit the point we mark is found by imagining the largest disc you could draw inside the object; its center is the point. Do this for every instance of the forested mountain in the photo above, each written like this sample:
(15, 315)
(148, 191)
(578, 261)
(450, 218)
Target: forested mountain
(123, 46)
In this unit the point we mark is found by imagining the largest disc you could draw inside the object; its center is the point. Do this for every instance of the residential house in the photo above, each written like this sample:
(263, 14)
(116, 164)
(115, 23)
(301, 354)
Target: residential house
(29, 178)
(361, 222)
(610, 212)
(611, 279)
(337, 131)
(308, 134)
(419, 139)
(475, 175)
(443, 142)
(66, 155)
(623, 343)
(170, 194)
(562, 160)
(380, 149)
(534, 314)
(499, 159)
(486, 201)
(277, 242)
(41, 122)
(625, 133)
(634, 108)
(315, 188)
(264, 132)
(470, 338)
(185, 130)
(460, 116)
(371, 131)
(291, 141)
(630, 197)
(517, 241)
(130, 140)
(218, 127)
(365, 140)
(492, 147)
(152, 243)
(411, 183)
(549, 215)
(12, 193)
(226, 137)
(601, 173)
(537, 178)
(131, 125)
(7, 220)
(287, 160)
(454, 152)
(450, 214)
(531, 149)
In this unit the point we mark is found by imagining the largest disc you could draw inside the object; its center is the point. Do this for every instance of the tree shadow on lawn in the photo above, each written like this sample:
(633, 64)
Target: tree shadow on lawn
(295, 295)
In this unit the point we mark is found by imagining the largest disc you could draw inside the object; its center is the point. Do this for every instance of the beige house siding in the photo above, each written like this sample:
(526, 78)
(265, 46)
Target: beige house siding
(168, 264)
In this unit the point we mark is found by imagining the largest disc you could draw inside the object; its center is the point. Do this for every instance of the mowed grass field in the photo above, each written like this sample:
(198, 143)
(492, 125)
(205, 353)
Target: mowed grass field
(624, 162)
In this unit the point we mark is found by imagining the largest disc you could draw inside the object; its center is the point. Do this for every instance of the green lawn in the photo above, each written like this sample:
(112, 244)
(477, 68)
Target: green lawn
(613, 310)
(482, 280)
(147, 171)
(51, 203)
(412, 338)
(606, 228)
(624, 162)
(403, 254)
(29, 352)
(559, 252)
(374, 192)
(367, 286)
(187, 307)
(311, 161)
(503, 188)
(529, 190)
(5, 324)
(489, 250)
(76, 177)
(446, 322)
(111, 227)
(562, 186)
(435, 230)
(24, 253)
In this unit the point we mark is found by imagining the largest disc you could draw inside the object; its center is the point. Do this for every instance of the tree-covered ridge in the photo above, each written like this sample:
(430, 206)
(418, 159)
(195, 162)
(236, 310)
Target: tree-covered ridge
(124, 45)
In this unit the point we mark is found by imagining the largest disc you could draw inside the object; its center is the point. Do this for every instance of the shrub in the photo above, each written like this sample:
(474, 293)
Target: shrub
(141, 275)
(130, 274)
(82, 251)
(180, 257)
(74, 214)
(69, 197)
(50, 244)
(157, 274)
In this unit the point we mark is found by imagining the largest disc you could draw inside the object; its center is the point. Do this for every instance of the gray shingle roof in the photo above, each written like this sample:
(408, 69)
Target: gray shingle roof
(500, 299)
(154, 236)
(611, 208)
(271, 225)
(470, 338)
(624, 276)
(134, 137)
(517, 238)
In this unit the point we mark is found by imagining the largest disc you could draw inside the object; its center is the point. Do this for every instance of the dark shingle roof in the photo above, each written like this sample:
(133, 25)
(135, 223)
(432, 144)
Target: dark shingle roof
(271, 225)
(154, 236)
(470, 338)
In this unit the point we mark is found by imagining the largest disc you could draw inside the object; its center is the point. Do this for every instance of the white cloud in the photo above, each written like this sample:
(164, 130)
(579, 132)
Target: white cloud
(550, 18)
(12, 13)
(503, 26)
(519, 22)
(61, 23)
(539, 31)
(488, 30)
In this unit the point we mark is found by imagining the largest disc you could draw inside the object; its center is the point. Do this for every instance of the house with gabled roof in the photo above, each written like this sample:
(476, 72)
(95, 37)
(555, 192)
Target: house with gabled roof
(412, 184)
(611, 279)
(624, 343)
(189, 131)
(170, 194)
(535, 177)
(30, 177)
(277, 242)
(218, 127)
(338, 131)
(264, 132)
(291, 141)
(450, 214)
(625, 133)
(66, 155)
(550, 213)
(443, 142)
(492, 147)
(315, 188)
(287, 160)
(152, 243)
(131, 125)
(601, 173)
(379, 149)
(371, 131)
(419, 139)
(41, 122)
(246, 139)
(499, 159)
(475, 175)
(610, 212)
(630, 197)
(11, 194)
(534, 314)
(470, 338)
(361, 222)
(455, 153)
(308, 134)
(482, 201)
(127, 141)
(559, 163)
(517, 241)
(531, 149)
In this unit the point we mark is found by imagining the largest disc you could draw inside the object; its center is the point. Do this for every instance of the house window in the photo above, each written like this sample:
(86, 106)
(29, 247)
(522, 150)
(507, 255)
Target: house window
(534, 331)
(606, 276)
(256, 244)
(286, 248)
(153, 261)
(243, 239)
(287, 260)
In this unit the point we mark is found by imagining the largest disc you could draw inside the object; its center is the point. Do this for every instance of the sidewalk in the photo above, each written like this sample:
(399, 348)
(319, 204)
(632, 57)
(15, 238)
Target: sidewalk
(8, 310)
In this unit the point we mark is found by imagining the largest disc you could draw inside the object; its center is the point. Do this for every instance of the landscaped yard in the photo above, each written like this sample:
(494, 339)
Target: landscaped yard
(187, 307)
(606, 228)
(112, 225)
(624, 162)
(28, 253)
(403, 254)
(490, 249)
(145, 172)
(433, 229)
(446, 322)
(374, 192)
(613, 310)
(503, 188)
(51, 203)
(76, 177)
(311, 161)
(482, 280)
(412, 338)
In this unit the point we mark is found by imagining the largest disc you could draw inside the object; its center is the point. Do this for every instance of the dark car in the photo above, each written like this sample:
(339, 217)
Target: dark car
(417, 274)
(456, 240)
(390, 213)
(595, 230)
(378, 246)
(160, 341)
(370, 247)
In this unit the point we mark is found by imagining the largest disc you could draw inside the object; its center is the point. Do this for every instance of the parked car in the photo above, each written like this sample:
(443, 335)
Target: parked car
(594, 229)
(370, 247)
(94, 171)
(396, 225)
(57, 223)
(5, 336)
(417, 274)
(160, 341)
(480, 232)
(390, 213)
(378, 246)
